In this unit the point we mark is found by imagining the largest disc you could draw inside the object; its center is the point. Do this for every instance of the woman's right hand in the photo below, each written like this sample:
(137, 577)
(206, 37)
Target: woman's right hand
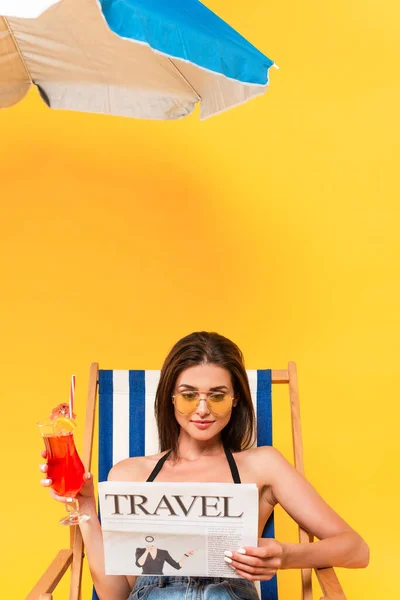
(85, 496)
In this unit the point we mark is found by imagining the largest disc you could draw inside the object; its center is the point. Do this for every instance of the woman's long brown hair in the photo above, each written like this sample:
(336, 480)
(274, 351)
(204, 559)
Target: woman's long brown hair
(196, 349)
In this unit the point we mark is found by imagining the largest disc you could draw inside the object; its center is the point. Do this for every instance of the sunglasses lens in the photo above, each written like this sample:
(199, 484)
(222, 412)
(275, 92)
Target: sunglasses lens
(186, 403)
(220, 403)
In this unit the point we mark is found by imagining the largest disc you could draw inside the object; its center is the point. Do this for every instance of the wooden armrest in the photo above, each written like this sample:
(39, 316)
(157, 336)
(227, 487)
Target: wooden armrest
(330, 584)
(51, 576)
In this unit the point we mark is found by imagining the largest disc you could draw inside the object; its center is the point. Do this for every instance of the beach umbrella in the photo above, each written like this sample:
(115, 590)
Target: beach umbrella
(152, 59)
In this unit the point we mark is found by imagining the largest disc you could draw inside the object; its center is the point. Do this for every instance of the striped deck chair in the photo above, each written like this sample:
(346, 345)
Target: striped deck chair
(127, 428)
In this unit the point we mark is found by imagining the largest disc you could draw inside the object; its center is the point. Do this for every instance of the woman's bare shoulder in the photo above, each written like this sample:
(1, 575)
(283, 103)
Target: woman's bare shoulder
(261, 460)
(137, 468)
(259, 454)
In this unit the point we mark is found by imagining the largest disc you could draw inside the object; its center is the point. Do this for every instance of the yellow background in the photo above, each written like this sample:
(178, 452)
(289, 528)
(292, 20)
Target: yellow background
(275, 224)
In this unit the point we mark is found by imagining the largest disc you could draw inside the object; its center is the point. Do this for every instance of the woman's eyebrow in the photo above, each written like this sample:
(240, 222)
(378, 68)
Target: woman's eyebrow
(213, 389)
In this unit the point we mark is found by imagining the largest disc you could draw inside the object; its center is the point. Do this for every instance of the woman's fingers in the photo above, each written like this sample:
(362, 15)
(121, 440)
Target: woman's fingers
(265, 576)
(255, 566)
(44, 453)
(87, 488)
(249, 563)
(46, 482)
(59, 498)
(85, 492)
(255, 560)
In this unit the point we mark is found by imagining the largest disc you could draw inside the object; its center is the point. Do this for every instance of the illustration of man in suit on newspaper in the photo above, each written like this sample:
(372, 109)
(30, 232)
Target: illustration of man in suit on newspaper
(152, 559)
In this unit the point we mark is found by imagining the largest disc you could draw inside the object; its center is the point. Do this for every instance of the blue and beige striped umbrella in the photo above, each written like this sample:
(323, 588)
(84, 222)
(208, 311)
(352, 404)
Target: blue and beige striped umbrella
(152, 59)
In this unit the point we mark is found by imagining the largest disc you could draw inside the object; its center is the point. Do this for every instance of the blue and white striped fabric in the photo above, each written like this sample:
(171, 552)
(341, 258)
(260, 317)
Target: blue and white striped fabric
(127, 425)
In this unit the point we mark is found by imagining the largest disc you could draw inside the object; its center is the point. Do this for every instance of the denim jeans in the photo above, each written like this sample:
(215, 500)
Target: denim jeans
(153, 587)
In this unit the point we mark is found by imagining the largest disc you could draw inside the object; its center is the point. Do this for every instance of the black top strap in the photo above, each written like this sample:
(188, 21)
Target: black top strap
(233, 466)
(228, 454)
(158, 467)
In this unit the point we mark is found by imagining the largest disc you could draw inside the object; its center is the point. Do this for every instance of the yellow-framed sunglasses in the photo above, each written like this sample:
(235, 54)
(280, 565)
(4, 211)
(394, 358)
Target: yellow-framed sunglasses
(219, 403)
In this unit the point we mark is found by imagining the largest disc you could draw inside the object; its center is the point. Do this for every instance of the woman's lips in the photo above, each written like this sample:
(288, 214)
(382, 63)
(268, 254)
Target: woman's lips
(202, 424)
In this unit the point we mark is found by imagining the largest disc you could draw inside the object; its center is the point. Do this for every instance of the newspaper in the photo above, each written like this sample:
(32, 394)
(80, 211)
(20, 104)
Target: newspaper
(176, 528)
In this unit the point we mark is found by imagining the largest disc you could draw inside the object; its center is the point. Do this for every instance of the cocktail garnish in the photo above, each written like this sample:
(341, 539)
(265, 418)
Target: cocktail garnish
(63, 425)
(62, 410)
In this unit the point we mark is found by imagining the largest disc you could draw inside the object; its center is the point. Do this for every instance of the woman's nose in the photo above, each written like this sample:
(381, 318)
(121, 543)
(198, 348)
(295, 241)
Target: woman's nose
(202, 408)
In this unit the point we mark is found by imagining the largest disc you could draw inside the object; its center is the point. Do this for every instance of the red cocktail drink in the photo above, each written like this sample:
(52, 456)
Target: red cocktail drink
(65, 468)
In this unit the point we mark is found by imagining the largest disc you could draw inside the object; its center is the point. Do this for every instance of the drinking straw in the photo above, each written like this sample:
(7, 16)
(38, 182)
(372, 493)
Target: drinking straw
(71, 396)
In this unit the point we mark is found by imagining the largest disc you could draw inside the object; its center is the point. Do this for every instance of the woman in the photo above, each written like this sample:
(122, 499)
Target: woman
(151, 559)
(205, 423)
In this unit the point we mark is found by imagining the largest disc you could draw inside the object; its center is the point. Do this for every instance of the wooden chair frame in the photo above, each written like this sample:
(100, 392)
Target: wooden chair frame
(73, 556)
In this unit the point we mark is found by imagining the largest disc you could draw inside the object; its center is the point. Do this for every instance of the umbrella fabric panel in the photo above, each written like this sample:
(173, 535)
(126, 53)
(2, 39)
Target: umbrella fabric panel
(14, 79)
(217, 92)
(190, 31)
(80, 64)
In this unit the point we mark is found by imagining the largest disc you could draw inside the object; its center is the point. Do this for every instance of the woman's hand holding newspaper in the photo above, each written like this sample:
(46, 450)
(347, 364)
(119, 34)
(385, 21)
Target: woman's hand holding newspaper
(260, 563)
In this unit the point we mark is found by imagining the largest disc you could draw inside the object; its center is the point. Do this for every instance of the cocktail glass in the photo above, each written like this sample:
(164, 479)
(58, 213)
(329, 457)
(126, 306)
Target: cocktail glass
(64, 467)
